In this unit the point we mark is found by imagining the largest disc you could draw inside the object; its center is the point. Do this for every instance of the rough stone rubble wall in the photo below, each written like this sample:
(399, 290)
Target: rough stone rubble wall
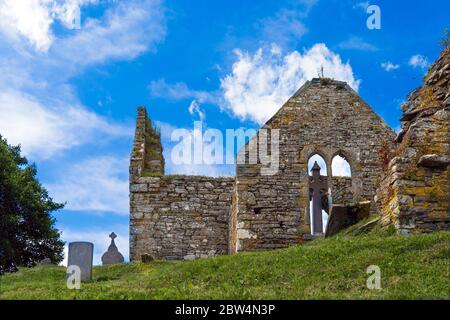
(415, 194)
(325, 117)
(146, 155)
(174, 217)
(180, 217)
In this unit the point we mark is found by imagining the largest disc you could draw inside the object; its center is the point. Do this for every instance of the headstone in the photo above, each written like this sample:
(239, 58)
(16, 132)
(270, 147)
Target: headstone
(113, 255)
(81, 254)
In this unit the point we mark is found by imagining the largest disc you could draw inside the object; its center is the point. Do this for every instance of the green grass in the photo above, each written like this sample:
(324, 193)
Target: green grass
(415, 267)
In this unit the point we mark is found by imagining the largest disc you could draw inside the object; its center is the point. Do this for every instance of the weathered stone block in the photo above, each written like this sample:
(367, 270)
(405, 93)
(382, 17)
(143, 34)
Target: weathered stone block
(434, 161)
(140, 187)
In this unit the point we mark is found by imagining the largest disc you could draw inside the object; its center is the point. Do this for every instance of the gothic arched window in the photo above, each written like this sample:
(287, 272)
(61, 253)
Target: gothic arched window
(320, 161)
(340, 167)
(318, 191)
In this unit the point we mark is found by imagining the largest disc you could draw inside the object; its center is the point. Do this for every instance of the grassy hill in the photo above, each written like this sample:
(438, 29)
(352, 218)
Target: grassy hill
(415, 267)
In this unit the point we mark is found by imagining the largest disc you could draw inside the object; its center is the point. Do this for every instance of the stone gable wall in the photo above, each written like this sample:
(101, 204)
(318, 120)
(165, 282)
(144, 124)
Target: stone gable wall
(324, 117)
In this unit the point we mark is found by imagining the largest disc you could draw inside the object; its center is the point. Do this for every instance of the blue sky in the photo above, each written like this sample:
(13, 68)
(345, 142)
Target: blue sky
(69, 95)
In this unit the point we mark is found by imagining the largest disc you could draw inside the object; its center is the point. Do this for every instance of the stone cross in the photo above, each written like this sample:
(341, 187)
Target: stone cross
(81, 254)
(317, 183)
(113, 255)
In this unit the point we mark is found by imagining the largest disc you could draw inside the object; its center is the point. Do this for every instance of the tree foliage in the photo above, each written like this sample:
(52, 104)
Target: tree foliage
(27, 232)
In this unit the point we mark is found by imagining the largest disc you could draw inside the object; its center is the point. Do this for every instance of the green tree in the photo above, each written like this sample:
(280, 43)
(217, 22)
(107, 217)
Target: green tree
(27, 232)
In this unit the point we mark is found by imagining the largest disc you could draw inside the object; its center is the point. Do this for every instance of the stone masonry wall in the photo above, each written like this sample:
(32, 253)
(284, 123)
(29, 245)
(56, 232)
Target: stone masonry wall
(180, 217)
(174, 217)
(325, 117)
(415, 194)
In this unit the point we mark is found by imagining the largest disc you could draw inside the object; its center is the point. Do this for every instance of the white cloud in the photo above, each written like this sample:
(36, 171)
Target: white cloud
(30, 19)
(96, 185)
(43, 131)
(261, 82)
(340, 167)
(179, 91)
(418, 61)
(68, 11)
(194, 108)
(40, 110)
(356, 43)
(211, 170)
(33, 19)
(389, 66)
(100, 239)
(125, 32)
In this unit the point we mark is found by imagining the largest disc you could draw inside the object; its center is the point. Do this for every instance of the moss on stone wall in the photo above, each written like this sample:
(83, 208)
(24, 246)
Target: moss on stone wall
(418, 196)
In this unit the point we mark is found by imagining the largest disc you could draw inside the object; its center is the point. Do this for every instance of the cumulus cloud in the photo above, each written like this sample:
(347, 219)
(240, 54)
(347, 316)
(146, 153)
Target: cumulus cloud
(39, 108)
(33, 19)
(389, 66)
(43, 131)
(96, 185)
(260, 83)
(418, 61)
(125, 32)
(68, 11)
(340, 167)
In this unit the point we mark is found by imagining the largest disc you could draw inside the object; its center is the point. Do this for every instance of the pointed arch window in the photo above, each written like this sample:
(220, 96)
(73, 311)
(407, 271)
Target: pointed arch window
(340, 167)
(320, 161)
(317, 170)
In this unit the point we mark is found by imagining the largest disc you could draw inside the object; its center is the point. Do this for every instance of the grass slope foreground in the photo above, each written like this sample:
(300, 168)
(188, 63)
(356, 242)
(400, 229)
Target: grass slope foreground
(415, 267)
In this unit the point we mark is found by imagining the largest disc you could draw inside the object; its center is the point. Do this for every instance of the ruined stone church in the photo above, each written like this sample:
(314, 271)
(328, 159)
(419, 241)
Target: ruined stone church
(188, 217)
